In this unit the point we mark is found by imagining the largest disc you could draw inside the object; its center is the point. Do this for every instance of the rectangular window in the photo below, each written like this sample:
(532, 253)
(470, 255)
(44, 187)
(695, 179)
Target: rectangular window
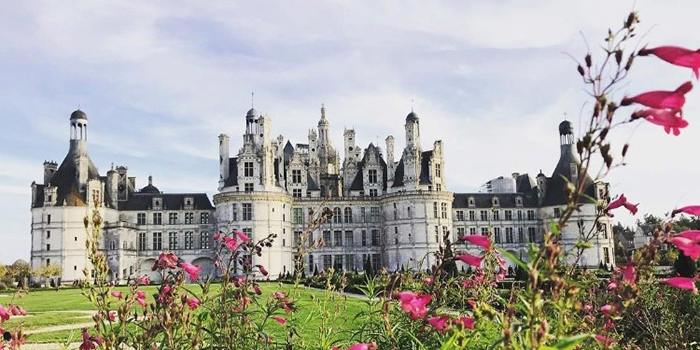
(372, 192)
(375, 238)
(298, 215)
(172, 241)
(496, 214)
(531, 215)
(349, 262)
(374, 214)
(311, 263)
(509, 235)
(204, 240)
(141, 219)
(189, 240)
(484, 231)
(363, 214)
(396, 235)
(438, 170)
(248, 187)
(48, 247)
(157, 241)
(297, 238)
(338, 238)
(248, 169)
(189, 218)
(531, 233)
(327, 262)
(349, 239)
(172, 218)
(509, 215)
(248, 232)
(296, 177)
(443, 210)
(435, 210)
(472, 230)
(296, 192)
(606, 254)
(521, 236)
(605, 231)
(557, 212)
(48, 219)
(372, 176)
(520, 215)
(204, 218)
(48, 234)
(247, 211)
(157, 218)
(497, 234)
(460, 215)
(376, 262)
(234, 212)
(364, 238)
(143, 239)
(338, 262)
(472, 215)
(484, 215)
(347, 215)
(460, 232)
(327, 238)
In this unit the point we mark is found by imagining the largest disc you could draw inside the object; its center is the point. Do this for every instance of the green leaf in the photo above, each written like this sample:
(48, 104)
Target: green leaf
(571, 342)
(513, 258)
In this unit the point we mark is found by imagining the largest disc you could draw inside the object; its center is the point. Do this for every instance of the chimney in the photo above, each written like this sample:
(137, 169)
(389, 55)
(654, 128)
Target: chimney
(50, 167)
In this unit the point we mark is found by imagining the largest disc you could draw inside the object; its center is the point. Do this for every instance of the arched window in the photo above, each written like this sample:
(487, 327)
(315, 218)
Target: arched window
(348, 215)
(337, 216)
(112, 245)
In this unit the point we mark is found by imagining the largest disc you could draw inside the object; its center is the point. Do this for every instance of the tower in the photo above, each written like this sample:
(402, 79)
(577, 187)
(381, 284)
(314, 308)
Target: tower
(412, 152)
(78, 146)
(223, 159)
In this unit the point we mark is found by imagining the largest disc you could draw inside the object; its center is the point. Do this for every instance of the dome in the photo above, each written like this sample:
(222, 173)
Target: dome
(78, 114)
(412, 117)
(252, 113)
(566, 128)
(150, 188)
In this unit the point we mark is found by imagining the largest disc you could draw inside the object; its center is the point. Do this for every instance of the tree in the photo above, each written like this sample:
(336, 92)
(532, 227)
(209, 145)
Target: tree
(20, 271)
(48, 271)
(684, 266)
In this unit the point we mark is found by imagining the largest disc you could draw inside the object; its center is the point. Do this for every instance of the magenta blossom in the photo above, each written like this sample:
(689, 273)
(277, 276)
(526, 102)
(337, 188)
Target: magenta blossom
(675, 55)
(661, 99)
(439, 322)
(478, 240)
(692, 235)
(143, 280)
(607, 309)
(689, 247)
(191, 270)
(140, 294)
(4, 315)
(470, 259)
(690, 209)
(16, 310)
(603, 339)
(682, 283)
(428, 280)
(279, 320)
(671, 120)
(414, 303)
(465, 321)
(89, 342)
(193, 303)
(622, 202)
(230, 243)
(116, 294)
(628, 273)
(112, 316)
(257, 289)
(217, 236)
(142, 302)
(166, 261)
(242, 236)
(262, 270)
(363, 346)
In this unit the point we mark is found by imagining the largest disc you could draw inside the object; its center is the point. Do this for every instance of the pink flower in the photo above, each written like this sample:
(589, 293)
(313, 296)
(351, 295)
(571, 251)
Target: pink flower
(4, 315)
(479, 240)
(467, 322)
(691, 235)
(230, 243)
(677, 56)
(143, 280)
(140, 295)
(279, 295)
(603, 339)
(661, 99)
(166, 261)
(191, 270)
(217, 236)
(262, 270)
(471, 303)
(414, 303)
(628, 273)
(17, 310)
(588, 307)
(428, 280)
(606, 309)
(612, 285)
(257, 289)
(89, 342)
(689, 247)
(363, 346)
(671, 120)
(193, 303)
(691, 209)
(279, 320)
(682, 283)
(142, 302)
(112, 316)
(242, 236)
(116, 294)
(620, 202)
(439, 322)
(470, 259)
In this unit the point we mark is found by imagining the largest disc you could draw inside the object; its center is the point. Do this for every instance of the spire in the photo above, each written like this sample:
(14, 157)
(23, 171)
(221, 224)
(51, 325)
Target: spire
(252, 100)
(323, 111)
(150, 180)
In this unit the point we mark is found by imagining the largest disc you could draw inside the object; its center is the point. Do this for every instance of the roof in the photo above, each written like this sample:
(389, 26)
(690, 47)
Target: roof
(78, 114)
(310, 183)
(66, 178)
(398, 174)
(252, 113)
(288, 152)
(524, 183)
(171, 201)
(232, 179)
(485, 200)
(412, 117)
(556, 188)
(425, 168)
(358, 182)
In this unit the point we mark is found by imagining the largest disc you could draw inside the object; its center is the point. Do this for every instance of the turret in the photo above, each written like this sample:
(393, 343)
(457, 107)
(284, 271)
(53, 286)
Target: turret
(78, 146)
(390, 157)
(541, 186)
(113, 187)
(223, 159)
(49, 169)
(412, 131)
(350, 151)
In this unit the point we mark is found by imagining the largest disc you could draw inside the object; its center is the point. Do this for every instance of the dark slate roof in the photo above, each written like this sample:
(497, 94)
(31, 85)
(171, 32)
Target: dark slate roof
(150, 189)
(484, 200)
(555, 191)
(525, 184)
(66, 179)
(311, 184)
(288, 152)
(171, 201)
(232, 172)
(78, 114)
(425, 168)
(398, 174)
(357, 182)
(411, 117)
(39, 196)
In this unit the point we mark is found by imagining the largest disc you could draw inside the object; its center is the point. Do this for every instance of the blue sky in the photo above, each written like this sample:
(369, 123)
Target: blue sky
(160, 80)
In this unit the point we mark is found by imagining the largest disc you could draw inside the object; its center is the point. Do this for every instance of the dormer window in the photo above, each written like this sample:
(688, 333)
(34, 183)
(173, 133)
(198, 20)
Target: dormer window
(495, 202)
(519, 201)
(157, 203)
(470, 202)
(189, 203)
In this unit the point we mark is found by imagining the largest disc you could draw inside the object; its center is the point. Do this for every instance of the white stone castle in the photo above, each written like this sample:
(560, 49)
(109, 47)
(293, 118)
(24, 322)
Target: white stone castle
(388, 212)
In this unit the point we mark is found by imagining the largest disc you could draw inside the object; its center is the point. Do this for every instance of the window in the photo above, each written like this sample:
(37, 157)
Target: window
(438, 187)
(311, 262)
(509, 215)
(248, 187)
(248, 232)
(297, 238)
(234, 212)
(472, 215)
(48, 234)
(460, 232)
(327, 238)
(172, 241)
(374, 214)
(296, 192)
(349, 262)
(338, 238)
(472, 230)
(484, 215)
(338, 262)
(48, 219)
(521, 237)
(327, 262)
(375, 238)
(189, 218)
(496, 214)
(520, 215)
(372, 192)
(497, 234)
(296, 176)
(396, 235)
(531, 215)
(495, 202)
(460, 215)
(143, 241)
(189, 240)
(605, 231)
(157, 218)
(484, 231)
(48, 246)
(48, 262)
(364, 238)
(531, 232)
(363, 215)
(349, 239)
(437, 234)
(409, 212)
(606, 255)
(124, 245)
(372, 176)
(509, 235)
(248, 169)
(557, 212)
(376, 262)
(396, 212)
(141, 219)
(172, 218)
(204, 218)
(443, 210)
(298, 215)
(348, 215)
(337, 216)
(518, 201)
(157, 241)
(204, 240)
(247, 211)
(438, 170)
(435, 210)
(470, 202)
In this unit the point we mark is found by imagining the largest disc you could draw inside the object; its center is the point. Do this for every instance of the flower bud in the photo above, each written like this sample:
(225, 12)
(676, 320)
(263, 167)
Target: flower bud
(589, 60)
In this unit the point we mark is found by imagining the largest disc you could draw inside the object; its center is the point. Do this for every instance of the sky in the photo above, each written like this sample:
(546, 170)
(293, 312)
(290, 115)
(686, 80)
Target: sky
(160, 80)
